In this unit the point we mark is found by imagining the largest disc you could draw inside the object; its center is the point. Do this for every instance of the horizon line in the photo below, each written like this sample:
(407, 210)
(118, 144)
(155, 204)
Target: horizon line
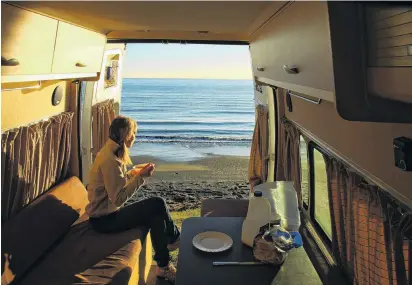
(186, 78)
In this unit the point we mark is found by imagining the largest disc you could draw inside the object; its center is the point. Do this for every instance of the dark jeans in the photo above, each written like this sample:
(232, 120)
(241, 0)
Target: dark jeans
(152, 213)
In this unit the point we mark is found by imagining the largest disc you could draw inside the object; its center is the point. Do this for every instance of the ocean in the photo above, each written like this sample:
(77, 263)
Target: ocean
(190, 119)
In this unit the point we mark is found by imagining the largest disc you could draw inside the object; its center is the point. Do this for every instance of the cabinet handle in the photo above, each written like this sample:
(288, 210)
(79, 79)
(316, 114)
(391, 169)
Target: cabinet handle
(9, 62)
(80, 64)
(38, 86)
(260, 69)
(317, 102)
(293, 69)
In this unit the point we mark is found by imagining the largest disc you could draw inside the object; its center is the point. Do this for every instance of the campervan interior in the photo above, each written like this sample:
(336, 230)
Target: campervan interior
(335, 77)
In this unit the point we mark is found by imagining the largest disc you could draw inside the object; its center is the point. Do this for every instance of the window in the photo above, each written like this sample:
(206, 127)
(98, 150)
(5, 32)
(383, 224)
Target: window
(320, 210)
(314, 185)
(304, 172)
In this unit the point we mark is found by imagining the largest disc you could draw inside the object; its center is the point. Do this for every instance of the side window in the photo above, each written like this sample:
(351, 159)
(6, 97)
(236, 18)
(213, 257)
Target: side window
(304, 172)
(321, 210)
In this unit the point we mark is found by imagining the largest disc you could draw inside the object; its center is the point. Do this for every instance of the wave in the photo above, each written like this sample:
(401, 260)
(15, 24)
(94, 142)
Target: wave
(190, 112)
(143, 110)
(197, 121)
(179, 130)
(191, 139)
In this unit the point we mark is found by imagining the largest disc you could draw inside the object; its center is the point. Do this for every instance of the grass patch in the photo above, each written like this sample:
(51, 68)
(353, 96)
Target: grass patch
(178, 218)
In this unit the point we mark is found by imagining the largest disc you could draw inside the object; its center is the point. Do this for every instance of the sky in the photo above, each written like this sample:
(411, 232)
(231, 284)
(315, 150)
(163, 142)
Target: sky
(187, 61)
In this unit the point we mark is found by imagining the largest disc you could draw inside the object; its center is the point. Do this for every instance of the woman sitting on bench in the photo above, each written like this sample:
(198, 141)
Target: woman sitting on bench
(109, 188)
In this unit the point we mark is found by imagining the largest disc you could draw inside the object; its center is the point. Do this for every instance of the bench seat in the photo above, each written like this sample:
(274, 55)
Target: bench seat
(86, 257)
(50, 244)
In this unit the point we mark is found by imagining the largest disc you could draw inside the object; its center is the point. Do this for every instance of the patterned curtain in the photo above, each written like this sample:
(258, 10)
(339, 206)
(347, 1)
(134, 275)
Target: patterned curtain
(370, 234)
(103, 114)
(258, 161)
(33, 159)
(290, 156)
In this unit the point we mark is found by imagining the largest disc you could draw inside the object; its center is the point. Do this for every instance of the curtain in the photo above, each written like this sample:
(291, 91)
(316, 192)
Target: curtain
(103, 114)
(33, 159)
(258, 161)
(369, 240)
(290, 156)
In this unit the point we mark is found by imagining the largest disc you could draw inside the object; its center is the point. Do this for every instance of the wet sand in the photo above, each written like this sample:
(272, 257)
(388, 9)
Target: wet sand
(184, 184)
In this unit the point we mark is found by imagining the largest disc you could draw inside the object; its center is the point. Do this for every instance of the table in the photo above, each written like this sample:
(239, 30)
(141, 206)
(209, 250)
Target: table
(195, 267)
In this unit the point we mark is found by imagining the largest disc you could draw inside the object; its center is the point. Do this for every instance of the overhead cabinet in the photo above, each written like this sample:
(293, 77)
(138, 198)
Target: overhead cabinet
(27, 42)
(357, 55)
(36, 47)
(294, 48)
(371, 44)
(77, 50)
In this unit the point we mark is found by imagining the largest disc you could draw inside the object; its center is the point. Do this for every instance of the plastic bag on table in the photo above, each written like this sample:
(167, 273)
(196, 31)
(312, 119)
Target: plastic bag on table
(272, 245)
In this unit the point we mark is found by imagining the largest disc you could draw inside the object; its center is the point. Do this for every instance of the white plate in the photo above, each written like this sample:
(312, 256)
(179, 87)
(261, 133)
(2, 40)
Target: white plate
(212, 241)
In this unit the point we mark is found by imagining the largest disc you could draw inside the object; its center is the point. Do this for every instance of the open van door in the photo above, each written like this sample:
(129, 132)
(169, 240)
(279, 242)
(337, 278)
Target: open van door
(105, 93)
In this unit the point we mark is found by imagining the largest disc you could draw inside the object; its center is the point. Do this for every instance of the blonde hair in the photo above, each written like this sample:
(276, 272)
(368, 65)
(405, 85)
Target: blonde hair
(120, 129)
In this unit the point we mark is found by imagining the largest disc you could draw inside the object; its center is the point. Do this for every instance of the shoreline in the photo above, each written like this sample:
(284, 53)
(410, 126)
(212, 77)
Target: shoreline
(214, 168)
(185, 184)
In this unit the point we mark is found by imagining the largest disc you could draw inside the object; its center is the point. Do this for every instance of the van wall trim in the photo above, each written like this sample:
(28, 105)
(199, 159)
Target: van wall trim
(171, 41)
(317, 93)
(369, 177)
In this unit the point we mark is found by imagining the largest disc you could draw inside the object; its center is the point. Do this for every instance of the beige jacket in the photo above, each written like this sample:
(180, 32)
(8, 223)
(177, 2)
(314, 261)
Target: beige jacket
(109, 188)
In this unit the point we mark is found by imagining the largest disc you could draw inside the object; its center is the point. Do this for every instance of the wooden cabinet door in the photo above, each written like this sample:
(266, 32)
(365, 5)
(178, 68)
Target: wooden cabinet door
(27, 41)
(77, 50)
(299, 36)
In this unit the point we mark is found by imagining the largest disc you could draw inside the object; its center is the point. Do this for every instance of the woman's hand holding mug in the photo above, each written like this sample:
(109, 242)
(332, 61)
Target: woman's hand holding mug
(148, 170)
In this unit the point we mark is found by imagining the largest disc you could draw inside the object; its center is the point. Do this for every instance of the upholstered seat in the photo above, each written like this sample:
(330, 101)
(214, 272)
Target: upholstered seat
(50, 244)
(87, 257)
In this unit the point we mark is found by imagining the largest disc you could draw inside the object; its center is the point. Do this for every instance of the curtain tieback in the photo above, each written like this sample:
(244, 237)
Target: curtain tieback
(269, 157)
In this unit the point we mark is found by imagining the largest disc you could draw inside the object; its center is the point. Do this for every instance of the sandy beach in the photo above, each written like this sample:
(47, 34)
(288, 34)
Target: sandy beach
(184, 184)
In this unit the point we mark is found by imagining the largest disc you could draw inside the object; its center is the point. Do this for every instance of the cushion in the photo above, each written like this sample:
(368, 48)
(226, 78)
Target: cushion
(28, 235)
(87, 257)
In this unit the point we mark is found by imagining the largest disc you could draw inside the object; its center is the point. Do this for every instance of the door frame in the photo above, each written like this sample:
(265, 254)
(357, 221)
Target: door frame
(95, 92)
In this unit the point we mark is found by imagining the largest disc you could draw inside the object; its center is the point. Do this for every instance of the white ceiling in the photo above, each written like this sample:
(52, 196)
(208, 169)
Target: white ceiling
(235, 19)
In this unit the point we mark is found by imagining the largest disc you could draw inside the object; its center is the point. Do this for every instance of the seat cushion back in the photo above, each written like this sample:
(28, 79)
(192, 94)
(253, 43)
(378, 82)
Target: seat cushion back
(28, 235)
